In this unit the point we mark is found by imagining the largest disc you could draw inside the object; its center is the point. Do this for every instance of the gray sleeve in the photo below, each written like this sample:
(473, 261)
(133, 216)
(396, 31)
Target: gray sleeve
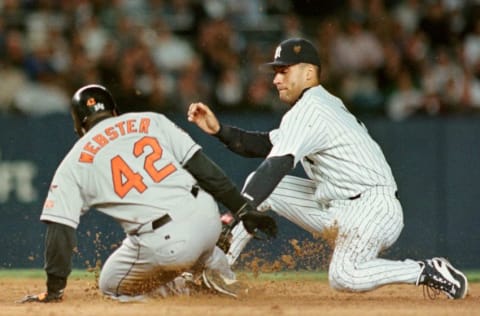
(181, 144)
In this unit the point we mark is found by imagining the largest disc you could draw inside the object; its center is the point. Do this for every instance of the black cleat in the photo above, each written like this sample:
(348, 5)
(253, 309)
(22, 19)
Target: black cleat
(438, 274)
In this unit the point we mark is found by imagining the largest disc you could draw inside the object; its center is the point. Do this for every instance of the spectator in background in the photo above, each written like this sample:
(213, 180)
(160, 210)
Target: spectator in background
(388, 74)
(378, 20)
(82, 69)
(13, 48)
(14, 82)
(435, 24)
(357, 54)
(245, 14)
(259, 95)
(12, 73)
(170, 52)
(406, 100)
(327, 31)
(44, 91)
(292, 26)
(130, 97)
(12, 14)
(94, 37)
(153, 84)
(41, 98)
(471, 47)
(440, 79)
(407, 13)
(415, 51)
(181, 15)
(355, 9)
(356, 49)
(229, 89)
(107, 63)
(191, 85)
(126, 33)
(359, 61)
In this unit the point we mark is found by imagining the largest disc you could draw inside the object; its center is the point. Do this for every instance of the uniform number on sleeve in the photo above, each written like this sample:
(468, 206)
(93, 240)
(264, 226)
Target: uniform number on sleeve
(126, 179)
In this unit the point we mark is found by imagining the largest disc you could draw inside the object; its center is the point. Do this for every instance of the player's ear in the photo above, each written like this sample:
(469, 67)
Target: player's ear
(311, 73)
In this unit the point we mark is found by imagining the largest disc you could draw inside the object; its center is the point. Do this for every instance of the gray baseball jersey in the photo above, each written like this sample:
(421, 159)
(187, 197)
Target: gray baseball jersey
(130, 167)
(351, 186)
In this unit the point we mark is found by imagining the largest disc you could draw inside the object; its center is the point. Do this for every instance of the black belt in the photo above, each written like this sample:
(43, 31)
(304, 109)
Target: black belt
(359, 195)
(159, 222)
(355, 197)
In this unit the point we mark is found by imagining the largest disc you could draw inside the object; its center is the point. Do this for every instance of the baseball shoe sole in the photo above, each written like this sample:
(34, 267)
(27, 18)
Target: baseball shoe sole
(219, 283)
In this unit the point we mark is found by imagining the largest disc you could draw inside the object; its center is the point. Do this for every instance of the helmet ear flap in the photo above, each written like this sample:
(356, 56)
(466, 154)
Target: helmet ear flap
(77, 125)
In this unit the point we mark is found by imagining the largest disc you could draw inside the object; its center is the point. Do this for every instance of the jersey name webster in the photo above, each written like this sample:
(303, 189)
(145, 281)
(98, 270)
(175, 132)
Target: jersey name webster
(112, 132)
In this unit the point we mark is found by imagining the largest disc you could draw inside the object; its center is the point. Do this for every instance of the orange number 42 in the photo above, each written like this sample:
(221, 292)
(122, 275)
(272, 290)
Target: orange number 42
(125, 179)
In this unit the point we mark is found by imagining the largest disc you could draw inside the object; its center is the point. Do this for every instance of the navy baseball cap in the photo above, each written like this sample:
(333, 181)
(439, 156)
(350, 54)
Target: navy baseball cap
(294, 51)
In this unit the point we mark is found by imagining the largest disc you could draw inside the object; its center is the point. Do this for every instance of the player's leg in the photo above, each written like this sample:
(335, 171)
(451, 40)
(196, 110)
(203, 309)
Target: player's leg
(145, 262)
(240, 239)
(218, 275)
(366, 226)
(373, 224)
(294, 199)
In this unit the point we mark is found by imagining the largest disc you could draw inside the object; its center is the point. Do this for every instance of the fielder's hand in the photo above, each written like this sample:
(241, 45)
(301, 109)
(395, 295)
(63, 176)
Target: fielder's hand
(45, 297)
(201, 115)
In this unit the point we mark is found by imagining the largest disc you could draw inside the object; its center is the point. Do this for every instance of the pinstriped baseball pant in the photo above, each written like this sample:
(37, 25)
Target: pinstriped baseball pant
(365, 226)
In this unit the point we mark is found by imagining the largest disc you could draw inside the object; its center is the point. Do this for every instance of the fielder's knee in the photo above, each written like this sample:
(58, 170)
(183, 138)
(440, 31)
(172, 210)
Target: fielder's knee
(342, 276)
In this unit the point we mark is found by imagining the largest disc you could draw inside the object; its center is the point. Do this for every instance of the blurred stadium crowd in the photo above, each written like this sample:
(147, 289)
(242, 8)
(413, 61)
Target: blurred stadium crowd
(387, 58)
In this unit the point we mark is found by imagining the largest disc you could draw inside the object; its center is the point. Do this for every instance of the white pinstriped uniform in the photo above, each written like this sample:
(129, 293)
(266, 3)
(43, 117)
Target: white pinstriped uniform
(342, 161)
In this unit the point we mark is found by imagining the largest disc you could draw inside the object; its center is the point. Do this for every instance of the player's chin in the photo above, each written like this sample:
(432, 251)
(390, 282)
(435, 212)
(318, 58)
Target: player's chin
(284, 96)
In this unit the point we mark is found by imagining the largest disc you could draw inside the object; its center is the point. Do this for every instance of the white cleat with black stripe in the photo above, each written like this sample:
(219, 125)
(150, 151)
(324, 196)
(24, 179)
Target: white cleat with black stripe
(214, 280)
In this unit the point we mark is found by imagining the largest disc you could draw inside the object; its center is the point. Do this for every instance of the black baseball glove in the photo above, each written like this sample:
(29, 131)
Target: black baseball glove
(256, 223)
(260, 225)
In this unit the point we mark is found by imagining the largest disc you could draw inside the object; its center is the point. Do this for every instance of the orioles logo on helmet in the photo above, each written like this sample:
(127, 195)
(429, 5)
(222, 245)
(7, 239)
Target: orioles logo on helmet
(91, 102)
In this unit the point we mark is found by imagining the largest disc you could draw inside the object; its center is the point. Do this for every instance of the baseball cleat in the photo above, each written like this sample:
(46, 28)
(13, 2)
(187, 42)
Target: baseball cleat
(214, 280)
(180, 286)
(438, 274)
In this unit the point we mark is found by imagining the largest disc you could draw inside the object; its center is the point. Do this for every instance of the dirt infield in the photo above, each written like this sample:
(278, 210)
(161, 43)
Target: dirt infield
(266, 297)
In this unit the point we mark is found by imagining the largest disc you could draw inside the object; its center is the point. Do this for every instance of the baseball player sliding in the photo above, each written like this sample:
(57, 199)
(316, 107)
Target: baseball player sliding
(153, 179)
(350, 185)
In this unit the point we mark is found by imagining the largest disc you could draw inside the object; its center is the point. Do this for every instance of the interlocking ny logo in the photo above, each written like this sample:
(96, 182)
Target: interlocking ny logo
(278, 51)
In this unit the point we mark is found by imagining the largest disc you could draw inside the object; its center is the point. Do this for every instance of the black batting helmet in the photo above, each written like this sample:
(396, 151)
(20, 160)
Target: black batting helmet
(90, 100)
